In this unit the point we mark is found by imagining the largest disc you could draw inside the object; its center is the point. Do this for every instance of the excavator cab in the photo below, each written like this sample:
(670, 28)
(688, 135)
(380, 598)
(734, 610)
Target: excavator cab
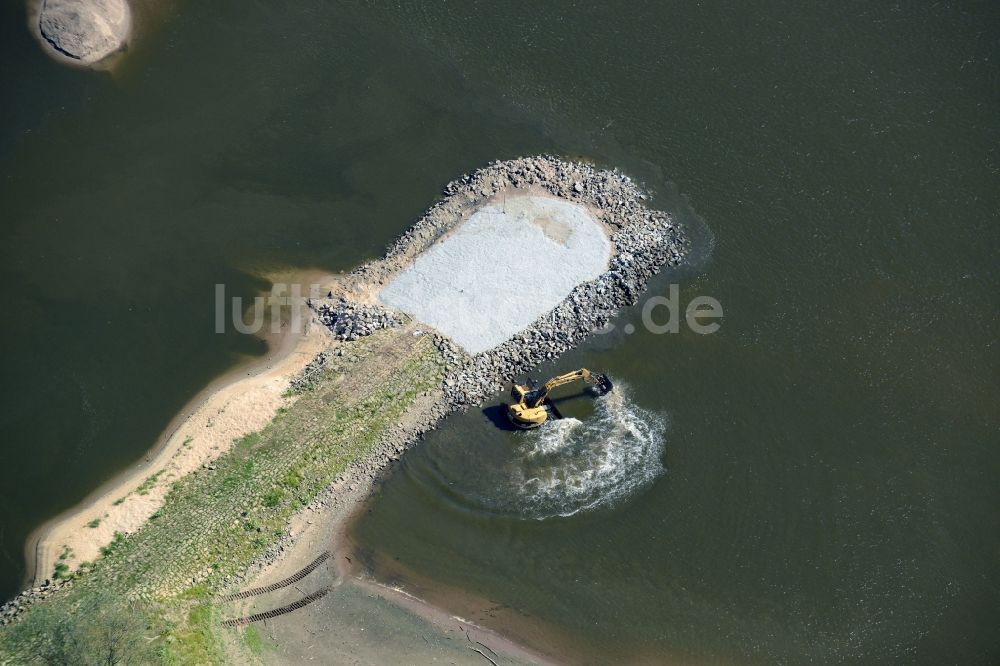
(530, 392)
(531, 406)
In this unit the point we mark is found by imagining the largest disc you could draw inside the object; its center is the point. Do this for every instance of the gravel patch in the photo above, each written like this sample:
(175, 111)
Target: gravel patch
(512, 261)
(350, 321)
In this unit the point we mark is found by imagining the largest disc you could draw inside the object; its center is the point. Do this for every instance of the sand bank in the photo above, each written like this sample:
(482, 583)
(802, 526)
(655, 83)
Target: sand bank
(242, 401)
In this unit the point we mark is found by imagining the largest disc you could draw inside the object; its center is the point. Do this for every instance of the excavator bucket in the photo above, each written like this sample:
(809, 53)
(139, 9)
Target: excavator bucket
(604, 384)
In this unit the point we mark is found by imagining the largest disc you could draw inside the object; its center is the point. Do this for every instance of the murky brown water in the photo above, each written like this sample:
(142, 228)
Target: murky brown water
(829, 459)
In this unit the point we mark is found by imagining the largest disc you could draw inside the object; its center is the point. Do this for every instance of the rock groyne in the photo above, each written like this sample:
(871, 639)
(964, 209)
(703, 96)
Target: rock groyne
(644, 240)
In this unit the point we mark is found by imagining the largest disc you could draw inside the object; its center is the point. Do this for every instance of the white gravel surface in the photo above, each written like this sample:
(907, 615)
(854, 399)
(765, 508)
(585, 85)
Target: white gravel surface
(510, 262)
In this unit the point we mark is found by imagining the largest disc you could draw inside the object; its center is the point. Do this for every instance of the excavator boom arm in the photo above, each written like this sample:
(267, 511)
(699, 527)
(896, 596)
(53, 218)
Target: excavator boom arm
(578, 375)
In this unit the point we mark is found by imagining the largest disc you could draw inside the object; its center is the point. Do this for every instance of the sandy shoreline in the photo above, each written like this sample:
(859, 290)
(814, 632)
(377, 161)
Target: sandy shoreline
(237, 403)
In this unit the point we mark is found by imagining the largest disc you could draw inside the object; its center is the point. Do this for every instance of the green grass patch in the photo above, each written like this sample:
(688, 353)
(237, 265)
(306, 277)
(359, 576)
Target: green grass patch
(195, 640)
(116, 543)
(199, 592)
(95, 523)
(247, 442)
(254, 640)
(148, 483)
(273, 498)
(292, 479)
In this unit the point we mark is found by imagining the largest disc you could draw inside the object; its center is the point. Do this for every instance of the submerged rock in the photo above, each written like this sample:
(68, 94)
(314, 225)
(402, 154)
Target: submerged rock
(85, 30)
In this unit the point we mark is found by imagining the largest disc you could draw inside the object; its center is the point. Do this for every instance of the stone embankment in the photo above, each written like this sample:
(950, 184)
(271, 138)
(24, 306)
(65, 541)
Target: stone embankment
(10, 610)
(644, 240)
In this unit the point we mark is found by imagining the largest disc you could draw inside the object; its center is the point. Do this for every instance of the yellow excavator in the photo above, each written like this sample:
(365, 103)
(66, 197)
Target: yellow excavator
(532, 407)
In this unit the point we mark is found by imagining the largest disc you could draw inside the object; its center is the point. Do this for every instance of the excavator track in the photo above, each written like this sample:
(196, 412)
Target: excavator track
(267, 615)
(285, 582)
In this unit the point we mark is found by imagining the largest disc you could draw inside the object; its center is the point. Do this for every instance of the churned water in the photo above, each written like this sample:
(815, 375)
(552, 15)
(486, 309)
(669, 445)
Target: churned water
(564, 467)
(568, 465)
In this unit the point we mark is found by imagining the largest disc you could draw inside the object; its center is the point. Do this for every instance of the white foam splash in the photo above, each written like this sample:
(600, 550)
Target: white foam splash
(568, 466)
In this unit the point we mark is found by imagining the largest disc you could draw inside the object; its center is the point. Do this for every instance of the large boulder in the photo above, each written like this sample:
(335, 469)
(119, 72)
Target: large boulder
(85, 30)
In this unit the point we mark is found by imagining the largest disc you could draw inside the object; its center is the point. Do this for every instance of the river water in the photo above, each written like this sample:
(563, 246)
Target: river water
(816, 481)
